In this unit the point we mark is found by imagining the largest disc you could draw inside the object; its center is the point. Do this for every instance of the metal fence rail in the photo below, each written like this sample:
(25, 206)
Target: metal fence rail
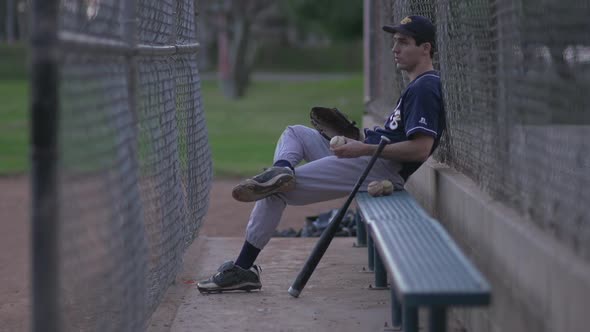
(121, 161)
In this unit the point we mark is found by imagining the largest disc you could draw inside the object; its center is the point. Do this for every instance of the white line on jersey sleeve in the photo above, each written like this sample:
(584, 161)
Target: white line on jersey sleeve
(409, 132)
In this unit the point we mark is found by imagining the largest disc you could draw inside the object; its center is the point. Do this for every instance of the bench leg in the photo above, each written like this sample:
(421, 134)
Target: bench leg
(361, 231)
(437, 319)
(371, 251)
(380, 273)
(396, 310)
(410, 319)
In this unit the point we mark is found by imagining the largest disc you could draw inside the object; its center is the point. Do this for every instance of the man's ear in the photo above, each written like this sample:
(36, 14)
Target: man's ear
(427, 47)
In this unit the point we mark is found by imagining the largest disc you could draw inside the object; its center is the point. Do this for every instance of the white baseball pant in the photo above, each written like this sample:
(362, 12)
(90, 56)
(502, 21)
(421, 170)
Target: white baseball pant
(323, 177)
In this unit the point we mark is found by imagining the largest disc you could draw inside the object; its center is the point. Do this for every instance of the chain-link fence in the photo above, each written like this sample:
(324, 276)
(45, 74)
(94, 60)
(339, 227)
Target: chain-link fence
(121, 160)
(516, 76)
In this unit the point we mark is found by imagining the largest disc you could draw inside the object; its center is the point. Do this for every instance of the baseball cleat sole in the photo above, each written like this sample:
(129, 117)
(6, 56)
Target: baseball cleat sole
(244, 287)
(251, 191)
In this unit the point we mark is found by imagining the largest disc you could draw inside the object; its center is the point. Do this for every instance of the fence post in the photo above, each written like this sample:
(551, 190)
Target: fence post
(44, 113)
(130, 38)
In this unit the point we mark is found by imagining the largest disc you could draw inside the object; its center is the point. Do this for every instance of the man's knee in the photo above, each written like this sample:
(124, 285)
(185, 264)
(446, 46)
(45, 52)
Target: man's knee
(299, 129)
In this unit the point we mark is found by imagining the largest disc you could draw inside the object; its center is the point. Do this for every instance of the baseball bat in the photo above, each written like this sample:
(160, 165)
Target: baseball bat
(328, 234)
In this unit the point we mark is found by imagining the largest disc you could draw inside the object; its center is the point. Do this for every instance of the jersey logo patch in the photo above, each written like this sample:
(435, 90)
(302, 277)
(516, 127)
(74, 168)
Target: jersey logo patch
(394, 118)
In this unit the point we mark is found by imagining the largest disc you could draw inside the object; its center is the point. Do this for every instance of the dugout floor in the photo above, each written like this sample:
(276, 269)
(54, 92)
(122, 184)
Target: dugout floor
(336, 297)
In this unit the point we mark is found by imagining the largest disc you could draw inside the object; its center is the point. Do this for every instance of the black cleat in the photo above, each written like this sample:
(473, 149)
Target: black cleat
(273, 180)
(230, 277)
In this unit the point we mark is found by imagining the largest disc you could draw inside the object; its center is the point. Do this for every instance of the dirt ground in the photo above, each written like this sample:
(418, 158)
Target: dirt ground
(14, 253)
(225, 218)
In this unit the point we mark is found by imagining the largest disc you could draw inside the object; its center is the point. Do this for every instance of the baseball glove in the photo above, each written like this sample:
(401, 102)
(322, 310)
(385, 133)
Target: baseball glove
(331, 122)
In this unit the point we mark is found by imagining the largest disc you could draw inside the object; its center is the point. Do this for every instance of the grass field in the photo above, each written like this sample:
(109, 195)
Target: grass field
(13, 61)
(242, 133)
(14, 128)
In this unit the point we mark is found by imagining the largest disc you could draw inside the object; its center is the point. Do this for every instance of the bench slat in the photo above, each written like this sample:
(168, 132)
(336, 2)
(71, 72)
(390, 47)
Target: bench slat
(427, 266)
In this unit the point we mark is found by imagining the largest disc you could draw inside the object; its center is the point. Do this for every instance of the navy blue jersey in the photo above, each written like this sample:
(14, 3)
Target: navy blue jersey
(419, 109)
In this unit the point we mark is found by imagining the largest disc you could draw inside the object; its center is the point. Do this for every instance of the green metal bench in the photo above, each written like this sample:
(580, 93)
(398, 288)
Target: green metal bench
(425, 266)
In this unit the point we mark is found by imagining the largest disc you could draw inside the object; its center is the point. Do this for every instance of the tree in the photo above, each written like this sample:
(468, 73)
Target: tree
(235, 20)
(237, 48)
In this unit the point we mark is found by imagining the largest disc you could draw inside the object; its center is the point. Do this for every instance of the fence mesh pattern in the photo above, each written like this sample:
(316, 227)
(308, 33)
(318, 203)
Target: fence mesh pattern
(516, 76)
(134, 165)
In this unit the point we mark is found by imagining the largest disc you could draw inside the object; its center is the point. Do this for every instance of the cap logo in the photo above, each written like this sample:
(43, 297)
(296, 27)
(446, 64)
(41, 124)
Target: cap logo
(406, 20)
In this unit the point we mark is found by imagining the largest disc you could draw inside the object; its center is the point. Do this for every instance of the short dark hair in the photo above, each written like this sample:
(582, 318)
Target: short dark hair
(420, 41)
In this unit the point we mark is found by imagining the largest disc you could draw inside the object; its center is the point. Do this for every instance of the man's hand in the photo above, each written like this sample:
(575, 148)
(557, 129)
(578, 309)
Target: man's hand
(352, 149)
(416, 149)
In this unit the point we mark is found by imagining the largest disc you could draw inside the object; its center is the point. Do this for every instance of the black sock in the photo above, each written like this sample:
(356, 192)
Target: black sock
(283, 163)
(247, 256)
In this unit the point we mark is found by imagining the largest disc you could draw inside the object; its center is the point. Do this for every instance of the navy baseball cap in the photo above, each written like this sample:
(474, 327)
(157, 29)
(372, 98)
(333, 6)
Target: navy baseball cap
(415, 26)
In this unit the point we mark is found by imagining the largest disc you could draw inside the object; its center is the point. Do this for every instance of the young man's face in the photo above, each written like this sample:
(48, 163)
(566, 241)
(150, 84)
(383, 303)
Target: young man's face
(406, 54)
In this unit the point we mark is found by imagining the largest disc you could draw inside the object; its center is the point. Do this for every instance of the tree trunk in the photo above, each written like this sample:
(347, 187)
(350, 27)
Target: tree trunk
(237, 48)
(240, 55)
(240, 71)
(10, 14)
(22, 19)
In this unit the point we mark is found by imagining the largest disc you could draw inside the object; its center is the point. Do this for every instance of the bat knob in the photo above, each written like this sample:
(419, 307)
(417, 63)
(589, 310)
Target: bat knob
(293, 292)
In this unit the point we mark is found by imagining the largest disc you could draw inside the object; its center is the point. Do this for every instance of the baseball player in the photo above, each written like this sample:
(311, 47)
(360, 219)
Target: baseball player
(414, 126)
